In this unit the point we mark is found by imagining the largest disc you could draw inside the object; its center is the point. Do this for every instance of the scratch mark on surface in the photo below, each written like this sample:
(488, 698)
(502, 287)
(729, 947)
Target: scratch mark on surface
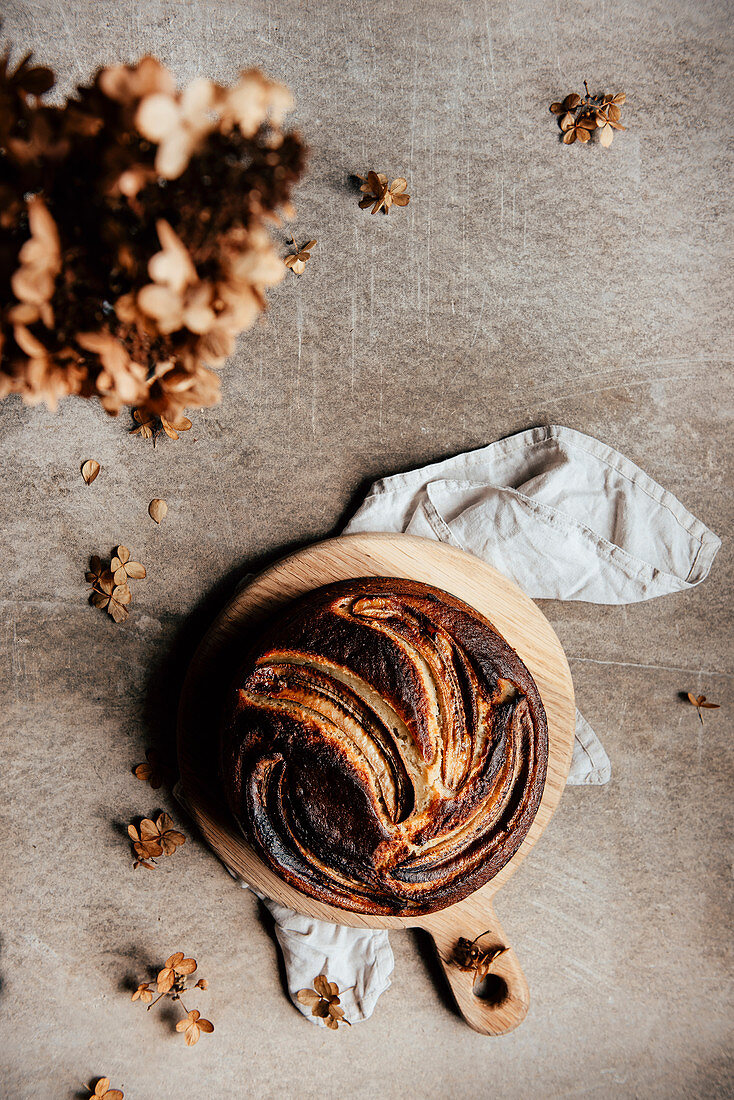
(299, 333)
(620, 385)
(489, 48)
(479, 319)
(659, 668)
(72, 38)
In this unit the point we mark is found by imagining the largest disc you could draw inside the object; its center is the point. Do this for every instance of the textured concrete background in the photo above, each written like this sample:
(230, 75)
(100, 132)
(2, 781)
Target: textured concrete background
(526, 283)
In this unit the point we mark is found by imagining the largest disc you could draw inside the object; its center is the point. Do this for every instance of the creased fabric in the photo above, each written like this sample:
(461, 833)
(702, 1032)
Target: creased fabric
(564, 516)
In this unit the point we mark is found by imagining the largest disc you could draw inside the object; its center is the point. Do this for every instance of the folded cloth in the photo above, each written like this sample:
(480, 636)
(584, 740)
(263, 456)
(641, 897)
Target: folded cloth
(359, 960)
(564, 516)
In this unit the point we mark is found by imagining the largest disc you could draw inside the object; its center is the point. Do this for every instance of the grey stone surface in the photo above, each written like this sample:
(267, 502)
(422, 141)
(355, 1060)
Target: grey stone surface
(526, 283)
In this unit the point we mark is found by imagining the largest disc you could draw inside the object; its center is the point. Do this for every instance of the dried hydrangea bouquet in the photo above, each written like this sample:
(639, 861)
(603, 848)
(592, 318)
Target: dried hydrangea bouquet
(133, 231)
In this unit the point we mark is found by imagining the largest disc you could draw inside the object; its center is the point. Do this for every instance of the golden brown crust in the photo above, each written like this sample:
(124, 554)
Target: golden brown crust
(385, 749)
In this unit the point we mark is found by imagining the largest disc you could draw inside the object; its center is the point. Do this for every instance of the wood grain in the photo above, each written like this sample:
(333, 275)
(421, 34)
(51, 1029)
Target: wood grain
(518, 620)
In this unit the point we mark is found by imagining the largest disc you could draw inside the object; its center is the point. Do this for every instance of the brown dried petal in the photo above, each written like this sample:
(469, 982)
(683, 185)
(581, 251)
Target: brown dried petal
(322, 985)
(567, 121)
(619, 98)
(95, 571)
(583, 135)
(121, 594)
(158, 510)
(569, 137)
(613, 113)
(308, 997)
(135, 570)
(606, 136)
(165, 979)
(171, 840)
(90, 469)
(117, 611)
(571, 101)
(375, 182)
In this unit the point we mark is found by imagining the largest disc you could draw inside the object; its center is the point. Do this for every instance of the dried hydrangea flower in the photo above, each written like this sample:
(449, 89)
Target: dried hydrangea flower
(155, 838)
(380, 196)
(324, 1002)
(297, 261)
(122, 567)
(193, 1025)
(112, 598)
(89, 307)
(580, 117)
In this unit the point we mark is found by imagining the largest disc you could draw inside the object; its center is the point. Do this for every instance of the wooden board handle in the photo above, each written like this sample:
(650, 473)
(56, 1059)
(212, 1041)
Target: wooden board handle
(501, 1002)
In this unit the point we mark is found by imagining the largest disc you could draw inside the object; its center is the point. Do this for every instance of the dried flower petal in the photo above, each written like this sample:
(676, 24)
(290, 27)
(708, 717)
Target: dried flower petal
(158, 510)
(90, 469)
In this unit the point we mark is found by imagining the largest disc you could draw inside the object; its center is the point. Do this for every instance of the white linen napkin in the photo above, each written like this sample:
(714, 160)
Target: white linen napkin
(564, 516)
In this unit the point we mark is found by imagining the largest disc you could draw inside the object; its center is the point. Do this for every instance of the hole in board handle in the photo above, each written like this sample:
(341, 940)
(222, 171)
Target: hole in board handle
(493, 990)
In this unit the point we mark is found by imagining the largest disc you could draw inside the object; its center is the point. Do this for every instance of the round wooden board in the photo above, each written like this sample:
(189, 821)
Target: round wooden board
(384, 555)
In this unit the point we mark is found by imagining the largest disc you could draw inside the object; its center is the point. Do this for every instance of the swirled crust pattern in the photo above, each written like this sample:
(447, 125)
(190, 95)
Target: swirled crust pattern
(385, 749)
